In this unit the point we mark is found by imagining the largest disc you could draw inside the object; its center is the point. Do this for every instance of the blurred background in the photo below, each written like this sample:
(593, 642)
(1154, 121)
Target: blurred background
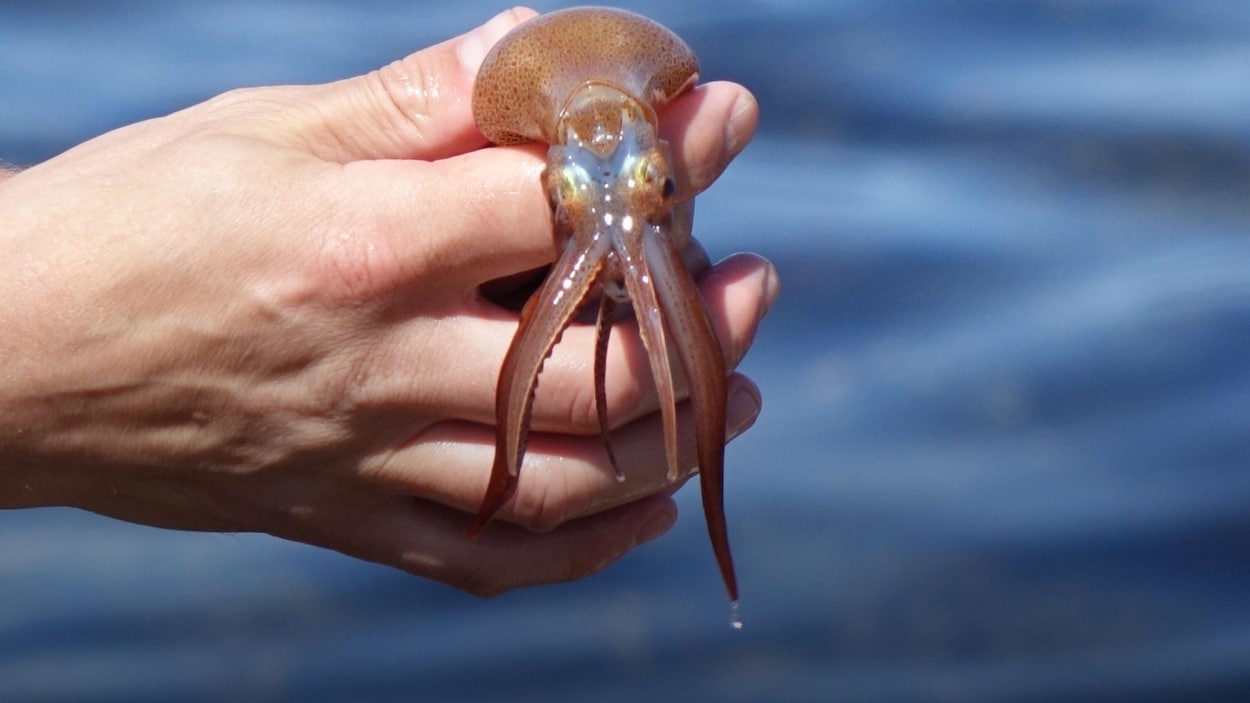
(1005, 450)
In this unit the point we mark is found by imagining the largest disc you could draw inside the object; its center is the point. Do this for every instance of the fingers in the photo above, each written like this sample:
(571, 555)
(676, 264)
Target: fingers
(563, 477)
(737, 293)
(569, 518)
(429, 539)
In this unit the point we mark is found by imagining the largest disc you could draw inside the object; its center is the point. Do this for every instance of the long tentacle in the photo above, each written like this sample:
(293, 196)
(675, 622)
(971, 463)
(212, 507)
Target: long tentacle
(704, 365)
(543, 320)
(641, 285)
(603, 332)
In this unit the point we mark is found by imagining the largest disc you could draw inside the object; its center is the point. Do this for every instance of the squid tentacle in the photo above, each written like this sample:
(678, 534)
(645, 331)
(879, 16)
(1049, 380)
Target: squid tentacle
(543, 320)
(704, 364)
(603, 332)
(640, 283)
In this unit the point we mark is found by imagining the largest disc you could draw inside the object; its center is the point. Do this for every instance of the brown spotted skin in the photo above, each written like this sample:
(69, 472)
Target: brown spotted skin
(526, 79)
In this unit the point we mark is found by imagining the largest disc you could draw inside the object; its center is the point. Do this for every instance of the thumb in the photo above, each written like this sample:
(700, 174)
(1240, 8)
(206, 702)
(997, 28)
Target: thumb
(418, 107)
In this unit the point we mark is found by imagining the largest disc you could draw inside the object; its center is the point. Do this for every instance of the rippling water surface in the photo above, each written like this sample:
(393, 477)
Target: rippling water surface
(1005, 453)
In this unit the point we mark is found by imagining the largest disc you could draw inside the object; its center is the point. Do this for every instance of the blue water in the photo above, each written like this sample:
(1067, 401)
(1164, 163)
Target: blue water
(1005, 452)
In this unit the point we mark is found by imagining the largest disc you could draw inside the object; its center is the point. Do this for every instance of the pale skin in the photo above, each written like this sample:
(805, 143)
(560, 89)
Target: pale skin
(263, 314)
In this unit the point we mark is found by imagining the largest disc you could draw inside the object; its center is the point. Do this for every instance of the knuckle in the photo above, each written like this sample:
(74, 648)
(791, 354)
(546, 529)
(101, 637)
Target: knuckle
(540, 508)
(583, 409)
(626, 399)
(231, 99)
(260, 108)
(405, 89)
(346, 263)
(550, 497)
(630, 399)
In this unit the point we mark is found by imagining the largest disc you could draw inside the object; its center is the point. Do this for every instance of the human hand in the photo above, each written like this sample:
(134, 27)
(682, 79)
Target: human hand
(263, 313)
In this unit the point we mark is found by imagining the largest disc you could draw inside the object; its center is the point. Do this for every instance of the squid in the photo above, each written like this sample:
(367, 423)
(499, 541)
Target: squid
(589, 82)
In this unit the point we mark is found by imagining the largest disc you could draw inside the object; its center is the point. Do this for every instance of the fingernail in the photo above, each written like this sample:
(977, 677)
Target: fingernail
(743, 118)
(771, 287)
(661, 521)
(476, 44)
(743, 408)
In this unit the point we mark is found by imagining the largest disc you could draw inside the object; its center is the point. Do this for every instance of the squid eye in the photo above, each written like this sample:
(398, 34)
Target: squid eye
(669, 187)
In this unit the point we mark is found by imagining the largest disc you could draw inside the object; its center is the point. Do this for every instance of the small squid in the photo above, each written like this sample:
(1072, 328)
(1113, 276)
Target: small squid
(588, 82)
